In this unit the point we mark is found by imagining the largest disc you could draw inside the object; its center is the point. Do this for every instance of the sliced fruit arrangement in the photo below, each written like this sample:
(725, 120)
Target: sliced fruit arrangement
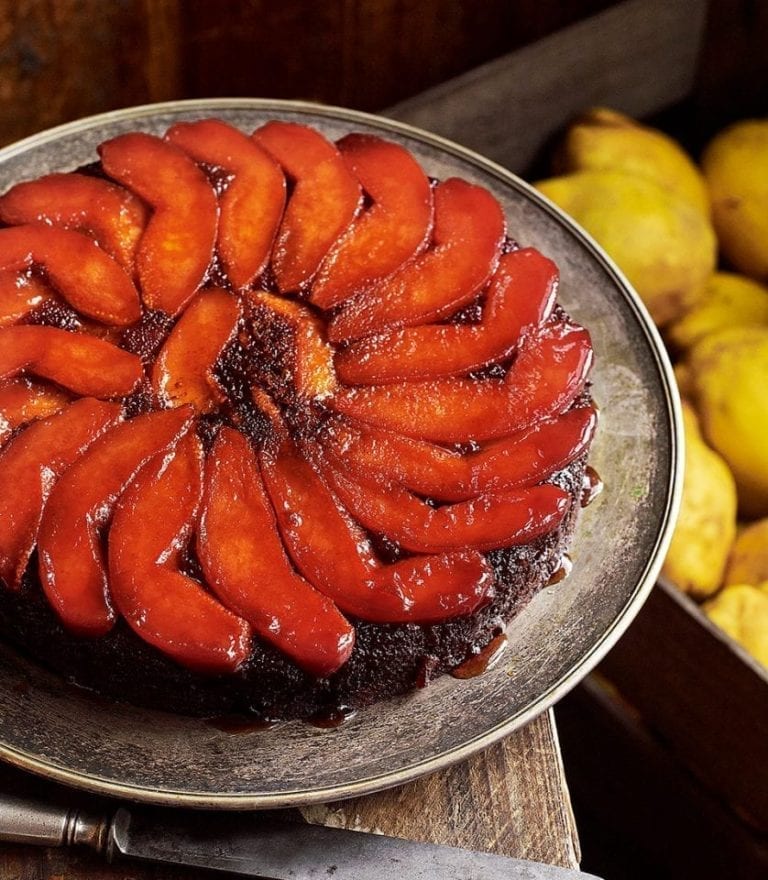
(85, 276)
(110, 214)
(395, 228)
(521, 293)
(253, 202)
(326, 197)
(176, 249)
(183, 371)
(357, 389)
(469, 230)
(171, 611)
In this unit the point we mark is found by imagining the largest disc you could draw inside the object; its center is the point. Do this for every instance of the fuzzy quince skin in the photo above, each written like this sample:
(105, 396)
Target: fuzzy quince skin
(741, 611)
(706, 526)
(736, 168)
(606, 140)
(728, 376)
(729, 300)
(665, 247)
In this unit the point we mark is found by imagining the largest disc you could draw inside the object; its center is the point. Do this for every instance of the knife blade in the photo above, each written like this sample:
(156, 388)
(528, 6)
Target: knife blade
(252, 845)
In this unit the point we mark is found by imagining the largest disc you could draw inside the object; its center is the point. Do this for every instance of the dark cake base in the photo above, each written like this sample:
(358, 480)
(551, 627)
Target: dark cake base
(388, 659)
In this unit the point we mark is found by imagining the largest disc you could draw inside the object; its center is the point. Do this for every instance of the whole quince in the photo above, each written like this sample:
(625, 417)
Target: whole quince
(727, 375)
(735, 165)
(706, 526)
(748, 562)
(728, 300)
(741, 610)
(665, 246)
(604, 139)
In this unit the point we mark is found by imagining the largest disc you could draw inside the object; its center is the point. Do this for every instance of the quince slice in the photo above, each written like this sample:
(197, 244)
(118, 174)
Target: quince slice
(85, 276)
(468, 233)
(176, 249)
(29, 468)
(395, 228)
(521, 293)
(22, 401)
(548, 373)
(486, 522)
(20, 294)
(333, 553)
(152, 522)
(252, 204)
(78, 362)
(523, 459)
(72, 567)
(246, 566)
(324, 201)
(183, 370)
(111, 215)
(306, 359)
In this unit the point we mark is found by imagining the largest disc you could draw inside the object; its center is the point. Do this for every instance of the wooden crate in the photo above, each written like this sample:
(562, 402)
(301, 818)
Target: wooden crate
(693, 66)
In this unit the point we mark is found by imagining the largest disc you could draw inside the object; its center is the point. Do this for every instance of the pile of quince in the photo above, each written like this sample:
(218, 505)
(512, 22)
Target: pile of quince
(668, 224)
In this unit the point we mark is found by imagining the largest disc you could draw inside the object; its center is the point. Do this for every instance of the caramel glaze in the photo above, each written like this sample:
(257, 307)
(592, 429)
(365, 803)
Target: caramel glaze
(485, 660)
(237, 724)
(333, 717)
(562, 571)
(592, 486)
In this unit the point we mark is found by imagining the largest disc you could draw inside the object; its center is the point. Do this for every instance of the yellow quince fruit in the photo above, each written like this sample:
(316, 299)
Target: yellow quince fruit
(604, 139)
(728, 300)
(735, 165)
(727, 372)
(706, 526)
(665, 247)
(741, 610)
(748, 562)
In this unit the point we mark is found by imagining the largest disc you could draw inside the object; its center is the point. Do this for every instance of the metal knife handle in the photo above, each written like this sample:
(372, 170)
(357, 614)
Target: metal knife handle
(31, 821)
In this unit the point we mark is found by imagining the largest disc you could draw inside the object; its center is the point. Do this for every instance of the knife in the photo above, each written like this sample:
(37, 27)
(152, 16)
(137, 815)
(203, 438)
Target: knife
(250, 844)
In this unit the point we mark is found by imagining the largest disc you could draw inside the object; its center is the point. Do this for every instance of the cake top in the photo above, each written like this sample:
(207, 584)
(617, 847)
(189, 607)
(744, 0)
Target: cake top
(266, 386)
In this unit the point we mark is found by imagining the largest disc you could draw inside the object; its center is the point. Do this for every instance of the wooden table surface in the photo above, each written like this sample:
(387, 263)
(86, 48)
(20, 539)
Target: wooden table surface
(510, 799)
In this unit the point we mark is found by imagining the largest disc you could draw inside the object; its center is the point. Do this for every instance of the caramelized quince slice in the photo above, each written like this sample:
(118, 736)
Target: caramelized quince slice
(521, 293)
(325, 199)
(469, 230)
(20, 294)
(76, 361)
(72, 566)
(523, 459)
(152, 522)
(395, 228)
(253, 203)
(111, 215)
(183, 371)
(332, 552)
(176, 248)
(547, 375)
(22, 401)
(85, 276)
(486, 522)
(305, 357)
(29, 468)
(245, 564)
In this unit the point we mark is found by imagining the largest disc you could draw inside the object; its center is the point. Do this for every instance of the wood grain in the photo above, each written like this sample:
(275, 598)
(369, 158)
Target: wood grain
(638, 56)
(511, 799)
(64, 59)
(703, 694)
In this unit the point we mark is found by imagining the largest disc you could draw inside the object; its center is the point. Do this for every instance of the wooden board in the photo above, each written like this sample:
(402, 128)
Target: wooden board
(639, 56)
(511, 799)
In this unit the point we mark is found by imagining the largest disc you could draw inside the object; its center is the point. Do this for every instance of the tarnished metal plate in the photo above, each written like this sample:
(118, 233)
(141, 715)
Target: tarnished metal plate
(83, 740)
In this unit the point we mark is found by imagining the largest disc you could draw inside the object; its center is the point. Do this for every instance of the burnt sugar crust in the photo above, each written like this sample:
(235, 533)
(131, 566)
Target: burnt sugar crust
(280, 364)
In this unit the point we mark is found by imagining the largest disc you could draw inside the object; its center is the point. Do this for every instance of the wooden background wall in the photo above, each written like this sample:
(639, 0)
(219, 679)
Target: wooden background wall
(63, 59)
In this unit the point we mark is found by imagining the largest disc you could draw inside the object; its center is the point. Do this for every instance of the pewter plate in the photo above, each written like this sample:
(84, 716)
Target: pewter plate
(143, 755)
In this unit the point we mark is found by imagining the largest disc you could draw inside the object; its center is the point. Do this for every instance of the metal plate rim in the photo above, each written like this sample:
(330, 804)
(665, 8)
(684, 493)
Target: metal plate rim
(210, 800)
